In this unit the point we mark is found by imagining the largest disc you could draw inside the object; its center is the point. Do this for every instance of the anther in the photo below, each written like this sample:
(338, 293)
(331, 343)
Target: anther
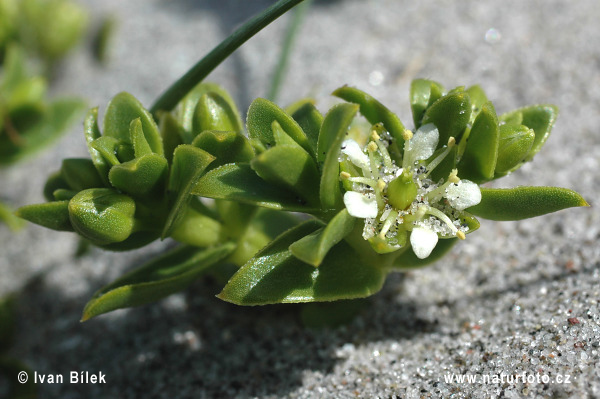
(374, 135)
(407, 135)
(345, 175)
(372, 146)
(461, 235)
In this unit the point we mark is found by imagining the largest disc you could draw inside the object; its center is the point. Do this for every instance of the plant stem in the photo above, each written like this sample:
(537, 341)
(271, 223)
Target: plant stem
(169, 99)
(284, 56)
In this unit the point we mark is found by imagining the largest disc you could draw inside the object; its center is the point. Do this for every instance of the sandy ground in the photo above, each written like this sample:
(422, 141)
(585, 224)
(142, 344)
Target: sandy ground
(499, 305)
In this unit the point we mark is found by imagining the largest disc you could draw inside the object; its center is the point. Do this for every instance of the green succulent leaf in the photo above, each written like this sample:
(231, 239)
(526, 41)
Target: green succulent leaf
(281, 137)
(333, 131)
(92, 133)
(408, 259)
(478, 162)
(138, 140)
(238, 182)
(478, 99)
(423, 93)
(524, 202)
(290, 168)
(143, 178)
(262, 227)
(309, 119)
(540, 118)
(450, 114)
(190, 103)
(102, 215)
(53, 215)
(313, 248)
(172, 134)
(107, 149)
(374, 111)
(80, 173)
(160, 277)
(121, 111)
(54, 182)
(261, 115)
(275, 275)
(189, 163)
(226, 147)
(515, 143)
(214, 112)
(196, 228)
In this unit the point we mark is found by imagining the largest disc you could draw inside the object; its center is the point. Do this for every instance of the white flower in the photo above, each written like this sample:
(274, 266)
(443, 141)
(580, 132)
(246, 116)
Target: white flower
(397, 200)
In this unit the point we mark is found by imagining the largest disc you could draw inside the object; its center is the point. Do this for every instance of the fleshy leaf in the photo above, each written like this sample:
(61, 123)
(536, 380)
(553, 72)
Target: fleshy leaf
(138, 140)
(515, 144)
(478, 99)
(290, 168)
(408, 259)
(238, 182)
(190, 102)
(189, 163)
(310, 119)
(226, 147)
(261, 115)
(423, 93)
(540, 118)
(333, 131)
(172, 134)
(53, 215)
(262, 228)
(478, 162)
(143, 178)
(213, 112)
(450, 114)
(374, 111)
(121, 111)
(80, 173)
(275, 275)
(313, 247)
(524, 202)
(92, 133)
(160, 277)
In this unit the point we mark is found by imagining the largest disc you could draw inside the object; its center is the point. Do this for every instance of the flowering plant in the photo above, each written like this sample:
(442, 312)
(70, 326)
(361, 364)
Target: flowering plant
(375, 197)
(381, 197)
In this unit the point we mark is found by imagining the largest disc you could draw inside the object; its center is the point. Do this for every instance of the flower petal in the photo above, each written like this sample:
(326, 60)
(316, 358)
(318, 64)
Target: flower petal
(423, 240)
(355, 154)
(359, 205)
(423, 143)
(463, 194)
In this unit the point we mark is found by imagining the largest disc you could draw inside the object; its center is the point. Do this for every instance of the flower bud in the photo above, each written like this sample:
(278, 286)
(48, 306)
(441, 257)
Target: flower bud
(102, 215)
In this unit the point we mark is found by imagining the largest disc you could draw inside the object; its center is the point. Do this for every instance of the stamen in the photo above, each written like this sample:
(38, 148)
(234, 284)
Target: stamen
(461, 235)
(374, 135)
(381, 184)
(387, 161)
(438, 160)
(444, 218)
(371, 148)
(407, 135)
(439, 192)
(388, 224)
(345, 175)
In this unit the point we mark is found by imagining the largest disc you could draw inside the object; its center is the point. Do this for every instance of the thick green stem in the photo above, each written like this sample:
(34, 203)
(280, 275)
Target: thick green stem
(169, 99)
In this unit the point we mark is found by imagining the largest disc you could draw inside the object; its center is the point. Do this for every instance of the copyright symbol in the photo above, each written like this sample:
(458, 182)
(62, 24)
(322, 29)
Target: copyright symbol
(22, 377)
